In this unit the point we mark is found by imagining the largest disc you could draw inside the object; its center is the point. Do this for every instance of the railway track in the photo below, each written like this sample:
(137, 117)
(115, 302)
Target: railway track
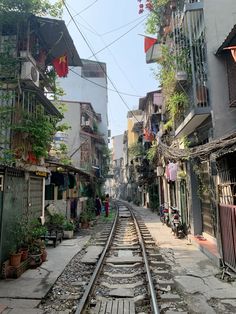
(130, 276)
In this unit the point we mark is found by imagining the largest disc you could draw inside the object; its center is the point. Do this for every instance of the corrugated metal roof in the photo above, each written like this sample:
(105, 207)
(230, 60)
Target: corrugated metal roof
(56, 38)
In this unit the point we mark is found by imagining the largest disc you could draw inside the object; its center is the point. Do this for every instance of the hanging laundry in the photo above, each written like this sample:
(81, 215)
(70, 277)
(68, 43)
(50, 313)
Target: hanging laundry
(173, 171)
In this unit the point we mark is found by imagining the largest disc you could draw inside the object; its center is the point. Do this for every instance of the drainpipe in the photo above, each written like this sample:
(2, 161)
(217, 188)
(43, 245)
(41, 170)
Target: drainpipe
(43, 203)
(1, 215)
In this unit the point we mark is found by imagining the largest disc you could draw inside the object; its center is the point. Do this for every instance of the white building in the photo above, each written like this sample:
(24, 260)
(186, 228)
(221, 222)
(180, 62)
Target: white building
(88, 84)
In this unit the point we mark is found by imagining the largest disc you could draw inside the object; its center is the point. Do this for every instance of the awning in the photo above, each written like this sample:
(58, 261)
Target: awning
(230, 40)
(51, 163)
(33, 168)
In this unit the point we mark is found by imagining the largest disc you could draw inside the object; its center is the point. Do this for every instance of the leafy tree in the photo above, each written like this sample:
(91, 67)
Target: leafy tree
(37, 7)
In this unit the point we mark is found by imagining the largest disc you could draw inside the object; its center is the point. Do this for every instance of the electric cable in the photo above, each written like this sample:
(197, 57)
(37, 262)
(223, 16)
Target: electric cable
(86, 8)
(90, 48)
(114, 59)
(112, 90)
(118, 38)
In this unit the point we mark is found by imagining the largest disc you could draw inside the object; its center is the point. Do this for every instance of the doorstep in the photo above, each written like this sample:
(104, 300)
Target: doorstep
(208, 247)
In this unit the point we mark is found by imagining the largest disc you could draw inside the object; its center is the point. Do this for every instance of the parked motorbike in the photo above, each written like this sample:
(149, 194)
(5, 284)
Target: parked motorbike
(164, 214)
(176, 224)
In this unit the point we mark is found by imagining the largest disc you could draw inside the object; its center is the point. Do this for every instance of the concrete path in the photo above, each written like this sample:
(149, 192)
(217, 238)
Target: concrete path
(194, 273)
(23, 294)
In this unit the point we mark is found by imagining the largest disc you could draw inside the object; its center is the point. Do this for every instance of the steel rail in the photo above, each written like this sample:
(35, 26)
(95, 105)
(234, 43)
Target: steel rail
(154, 304)
(84, 300)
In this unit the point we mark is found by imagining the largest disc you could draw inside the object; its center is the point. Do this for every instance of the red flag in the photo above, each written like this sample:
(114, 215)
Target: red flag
(149, 42)
(61, 65)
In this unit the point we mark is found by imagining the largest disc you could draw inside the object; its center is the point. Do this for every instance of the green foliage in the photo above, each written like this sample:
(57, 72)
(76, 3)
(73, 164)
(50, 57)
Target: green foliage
(176, 104)
(167, 73)
(151, 153)
(68, 226)
(36, 230)
(85, 216)
(37, 7)
(136, 150)
(40, 130)
(155, 16)
(185, 141)
(169, 125)
(56, 219)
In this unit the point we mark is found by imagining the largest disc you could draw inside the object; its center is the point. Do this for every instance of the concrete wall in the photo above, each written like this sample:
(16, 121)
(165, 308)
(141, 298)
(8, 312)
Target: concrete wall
(117, 147)
(72, 117)
(220, 17)
(93, 90)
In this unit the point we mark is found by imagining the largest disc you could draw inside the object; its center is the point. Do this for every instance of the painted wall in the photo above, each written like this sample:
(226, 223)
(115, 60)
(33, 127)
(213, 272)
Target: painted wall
(93, 90)
(133, 117)
(73, 141)
(117, 147)
(220, 17)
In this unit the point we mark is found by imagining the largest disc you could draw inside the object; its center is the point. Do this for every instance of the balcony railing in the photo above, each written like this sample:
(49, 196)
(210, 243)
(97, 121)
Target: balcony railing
(189, 46)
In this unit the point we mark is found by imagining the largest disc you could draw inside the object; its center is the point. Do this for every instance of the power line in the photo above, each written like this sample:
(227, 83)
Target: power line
(90, 48)
(120, 27)
(114, 41)
(86, 8)
(112, 90)
(114, 59)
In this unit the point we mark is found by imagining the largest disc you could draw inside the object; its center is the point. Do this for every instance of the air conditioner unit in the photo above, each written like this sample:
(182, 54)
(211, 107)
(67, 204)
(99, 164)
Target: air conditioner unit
(29, 72)
(87, 123)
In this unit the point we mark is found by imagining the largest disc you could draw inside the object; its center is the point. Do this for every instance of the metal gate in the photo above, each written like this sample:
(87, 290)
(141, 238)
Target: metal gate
(228, 234)
(208, 212)
(35, 196)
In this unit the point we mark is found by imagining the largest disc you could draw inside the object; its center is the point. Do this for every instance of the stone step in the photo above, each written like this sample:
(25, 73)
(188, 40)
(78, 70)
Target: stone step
(156, 256)
(122, 275)
(126, 247)
(123, 285)
(124, 260)
(169, 297)
(124, 265)
(164, 283)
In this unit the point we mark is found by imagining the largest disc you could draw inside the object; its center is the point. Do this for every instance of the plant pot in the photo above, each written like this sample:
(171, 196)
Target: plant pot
(35, 260)
(44, 255)
(181, 76)
(24, 254)
(68, 234)
(15, 259)
(85, 225)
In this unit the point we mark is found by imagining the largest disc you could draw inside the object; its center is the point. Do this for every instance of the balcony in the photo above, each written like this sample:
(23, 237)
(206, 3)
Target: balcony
(198, 111)
(190, 50)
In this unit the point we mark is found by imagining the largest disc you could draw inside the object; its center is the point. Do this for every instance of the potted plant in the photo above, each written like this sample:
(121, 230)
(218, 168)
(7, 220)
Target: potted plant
(15, 257)
(44, 253)
(68, 228)
(19, 236)
(84, 219)
(35, 243)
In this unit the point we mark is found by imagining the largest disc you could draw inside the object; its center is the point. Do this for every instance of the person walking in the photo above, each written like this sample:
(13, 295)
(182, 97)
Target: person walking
(106, 203)
(98, 206)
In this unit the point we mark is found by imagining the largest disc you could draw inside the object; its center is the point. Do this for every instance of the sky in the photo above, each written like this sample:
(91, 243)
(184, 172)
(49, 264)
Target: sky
(118, 25)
